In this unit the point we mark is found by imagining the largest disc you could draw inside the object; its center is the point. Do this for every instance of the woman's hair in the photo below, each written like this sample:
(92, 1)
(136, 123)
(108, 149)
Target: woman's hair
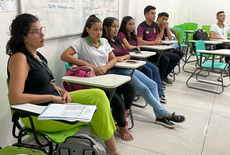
(124, 22)
(90, 21)
(18, 29)
(108, 23)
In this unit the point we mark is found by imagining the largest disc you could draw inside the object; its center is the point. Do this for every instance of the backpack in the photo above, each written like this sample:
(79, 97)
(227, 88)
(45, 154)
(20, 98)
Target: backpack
(84, 71)
(200, 35)
(82, 144)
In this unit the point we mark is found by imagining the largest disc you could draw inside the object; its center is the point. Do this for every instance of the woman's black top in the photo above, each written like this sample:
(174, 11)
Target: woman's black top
(38, 79)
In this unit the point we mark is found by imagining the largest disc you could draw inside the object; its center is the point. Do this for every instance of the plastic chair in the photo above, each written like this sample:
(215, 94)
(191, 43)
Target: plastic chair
(195, 25)
(207, 66)
(10, 150)
(48, 138)
(206, 28)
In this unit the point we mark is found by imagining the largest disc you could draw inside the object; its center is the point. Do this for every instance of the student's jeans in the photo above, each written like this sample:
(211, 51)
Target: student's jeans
(152, 72)
(148, 90)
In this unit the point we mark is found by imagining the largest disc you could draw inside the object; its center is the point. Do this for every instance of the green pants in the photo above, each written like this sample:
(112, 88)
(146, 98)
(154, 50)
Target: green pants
(101, 125)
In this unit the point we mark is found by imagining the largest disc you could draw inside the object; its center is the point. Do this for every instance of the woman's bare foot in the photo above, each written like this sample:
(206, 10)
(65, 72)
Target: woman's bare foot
(124, 133)
(117, 152)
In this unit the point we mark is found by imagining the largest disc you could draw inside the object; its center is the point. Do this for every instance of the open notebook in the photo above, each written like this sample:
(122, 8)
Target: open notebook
(69, 112)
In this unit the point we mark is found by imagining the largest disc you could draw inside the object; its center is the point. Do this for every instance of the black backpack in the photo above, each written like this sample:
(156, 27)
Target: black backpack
(200, 35)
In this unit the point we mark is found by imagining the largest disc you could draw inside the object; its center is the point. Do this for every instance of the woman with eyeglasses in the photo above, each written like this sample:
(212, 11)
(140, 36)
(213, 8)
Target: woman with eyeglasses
(31, 81)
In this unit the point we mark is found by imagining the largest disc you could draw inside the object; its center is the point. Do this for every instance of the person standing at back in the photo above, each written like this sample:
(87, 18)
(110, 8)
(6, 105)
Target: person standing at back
(220, 31)
(148, 34)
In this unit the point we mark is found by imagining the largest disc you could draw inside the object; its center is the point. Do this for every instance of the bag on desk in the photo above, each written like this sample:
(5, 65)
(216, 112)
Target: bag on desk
(84, 71)
(82, 144)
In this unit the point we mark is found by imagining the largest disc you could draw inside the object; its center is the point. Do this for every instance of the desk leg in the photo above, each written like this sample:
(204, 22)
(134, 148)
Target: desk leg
(111, 95)
(161, 52)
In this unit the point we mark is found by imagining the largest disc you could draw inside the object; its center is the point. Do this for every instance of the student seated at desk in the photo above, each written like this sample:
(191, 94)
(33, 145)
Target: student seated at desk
(31, 81)
(144, 85)
(220, 31)
(128, 36)
(162, 21)
(92, 50)
(148, 34)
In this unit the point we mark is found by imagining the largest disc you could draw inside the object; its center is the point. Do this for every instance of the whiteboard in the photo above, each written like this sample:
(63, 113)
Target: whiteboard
(67, 17)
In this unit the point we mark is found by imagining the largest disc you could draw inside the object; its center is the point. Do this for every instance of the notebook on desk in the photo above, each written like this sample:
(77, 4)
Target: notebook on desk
(68, 112)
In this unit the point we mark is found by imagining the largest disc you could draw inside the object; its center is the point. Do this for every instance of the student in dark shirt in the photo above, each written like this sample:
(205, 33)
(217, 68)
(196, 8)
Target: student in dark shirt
(162, 21)
(31, 82)
(128, 36)
(144, 85)
(148, 34)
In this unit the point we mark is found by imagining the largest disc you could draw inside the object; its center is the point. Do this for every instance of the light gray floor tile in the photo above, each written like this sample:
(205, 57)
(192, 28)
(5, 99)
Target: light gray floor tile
(218, 135)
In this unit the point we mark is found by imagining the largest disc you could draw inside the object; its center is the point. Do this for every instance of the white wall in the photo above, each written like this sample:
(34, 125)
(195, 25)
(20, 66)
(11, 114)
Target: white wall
(202, 12)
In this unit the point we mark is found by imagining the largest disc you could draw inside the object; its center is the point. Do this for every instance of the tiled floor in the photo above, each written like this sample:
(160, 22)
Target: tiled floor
(205, 132)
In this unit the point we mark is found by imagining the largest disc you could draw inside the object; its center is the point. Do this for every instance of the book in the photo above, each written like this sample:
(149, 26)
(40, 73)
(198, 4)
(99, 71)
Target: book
(69, 112)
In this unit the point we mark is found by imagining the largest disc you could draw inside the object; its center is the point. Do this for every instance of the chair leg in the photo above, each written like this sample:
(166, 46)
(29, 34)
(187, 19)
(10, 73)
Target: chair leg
(131, 117)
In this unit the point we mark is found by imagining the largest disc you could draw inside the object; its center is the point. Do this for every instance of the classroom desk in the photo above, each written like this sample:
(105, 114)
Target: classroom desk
(142, 55)
(130, 66)
(168, 42)
(187, 32)
(34, 110)
(222, 52)
(160, 48)
(209, 42)
(103, 81)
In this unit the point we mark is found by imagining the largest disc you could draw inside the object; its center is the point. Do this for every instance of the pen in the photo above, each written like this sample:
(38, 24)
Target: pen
(53, 81)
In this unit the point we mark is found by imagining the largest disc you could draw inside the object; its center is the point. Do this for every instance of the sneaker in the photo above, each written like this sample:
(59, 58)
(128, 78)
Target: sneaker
(166, 81)
(164, 87)
(165, 122)
(162, 99)
(177, 118)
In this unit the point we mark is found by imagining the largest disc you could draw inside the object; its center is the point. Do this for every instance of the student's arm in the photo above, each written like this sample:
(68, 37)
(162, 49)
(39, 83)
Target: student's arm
(122, 58)
(212, 36)
(144, 42)
(19, 68)
(127, 44)
(67, 56)
(112, 62)
(169, 35)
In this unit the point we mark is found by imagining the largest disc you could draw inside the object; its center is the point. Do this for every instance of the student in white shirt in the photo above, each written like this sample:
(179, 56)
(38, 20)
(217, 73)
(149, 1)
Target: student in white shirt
(92, 50)
(220, 31)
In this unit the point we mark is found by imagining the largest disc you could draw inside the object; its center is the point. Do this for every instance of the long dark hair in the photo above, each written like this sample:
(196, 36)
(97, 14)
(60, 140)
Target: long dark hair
(124, 22)
(108, 23)
(18, 29)
(90, 21)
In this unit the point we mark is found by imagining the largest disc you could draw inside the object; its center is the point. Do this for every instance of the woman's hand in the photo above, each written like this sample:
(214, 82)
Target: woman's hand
(101, 70)
(58, 99)
(120, 59)
(66, 97)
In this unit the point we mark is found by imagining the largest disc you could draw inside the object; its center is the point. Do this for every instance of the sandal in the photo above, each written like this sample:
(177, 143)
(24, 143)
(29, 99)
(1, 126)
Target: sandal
(123, 136)
(113, 152)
